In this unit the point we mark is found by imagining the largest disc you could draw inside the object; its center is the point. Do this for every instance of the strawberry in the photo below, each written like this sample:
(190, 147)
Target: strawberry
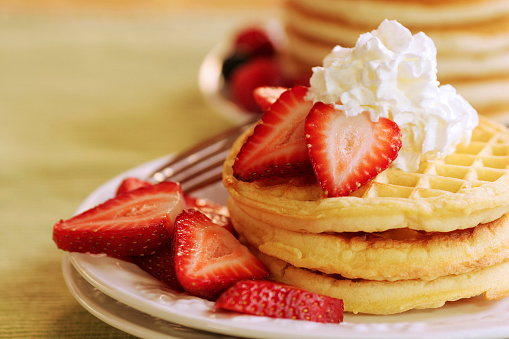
(347, 152)
(161, 266)
(215, 211)
(271, 299)
(131, 183)
(205, 204)
(208, 258)
(300, 79)
(134, 223)
(277, 146)
(253, 41)
(265, 96)
(250, 75)
(249, 44)
(218, 213)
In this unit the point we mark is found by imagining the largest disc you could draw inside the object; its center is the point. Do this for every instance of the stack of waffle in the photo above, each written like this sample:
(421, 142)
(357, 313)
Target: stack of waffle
(403, 241)
(472, 39)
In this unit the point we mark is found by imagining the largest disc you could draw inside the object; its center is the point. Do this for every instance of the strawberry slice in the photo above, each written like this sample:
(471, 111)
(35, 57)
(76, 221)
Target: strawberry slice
(265, 96)
(271, 299)
(130, 184)
(218, 213)
(277, 146)
(134, 223)
(347, 152)
(208, 258)
(161, 266)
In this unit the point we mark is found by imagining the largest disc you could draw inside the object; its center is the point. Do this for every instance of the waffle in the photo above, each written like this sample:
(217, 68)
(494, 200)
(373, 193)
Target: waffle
(472, 39)
(467, 188)
(390, 256)
(405, 240)
(384, 297)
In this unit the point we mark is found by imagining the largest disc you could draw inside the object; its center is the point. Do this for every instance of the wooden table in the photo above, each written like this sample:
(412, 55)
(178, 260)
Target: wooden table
(88, 91)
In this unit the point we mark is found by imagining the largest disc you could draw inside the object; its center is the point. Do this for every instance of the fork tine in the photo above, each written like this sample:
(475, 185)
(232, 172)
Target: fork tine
(193, 160)
(189, 188)
(196, 169)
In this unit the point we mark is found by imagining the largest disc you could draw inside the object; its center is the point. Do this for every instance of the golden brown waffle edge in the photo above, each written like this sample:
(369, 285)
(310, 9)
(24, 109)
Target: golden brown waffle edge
(388, 297)
(467, 188)
(388, 256)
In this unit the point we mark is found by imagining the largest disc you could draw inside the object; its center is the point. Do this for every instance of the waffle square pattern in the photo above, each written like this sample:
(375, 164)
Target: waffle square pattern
(468, 187)
(403, 241)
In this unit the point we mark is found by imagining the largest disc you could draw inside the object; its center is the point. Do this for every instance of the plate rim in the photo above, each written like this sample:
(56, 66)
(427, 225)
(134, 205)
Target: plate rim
(193, 322)
(143, 170)
(74, 281)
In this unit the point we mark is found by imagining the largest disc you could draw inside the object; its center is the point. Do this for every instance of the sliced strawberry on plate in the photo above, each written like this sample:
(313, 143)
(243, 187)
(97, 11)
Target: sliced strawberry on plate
(205, 205)
(277, 146)
(218, 213)
(271, 299)
(347, 152)
(265, 96)
(133, 223)
(208, 258)
(161, 266)
(131, 183)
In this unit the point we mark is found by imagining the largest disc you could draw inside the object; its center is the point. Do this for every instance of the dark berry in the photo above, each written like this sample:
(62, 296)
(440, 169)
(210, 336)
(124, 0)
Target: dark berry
(231, 63)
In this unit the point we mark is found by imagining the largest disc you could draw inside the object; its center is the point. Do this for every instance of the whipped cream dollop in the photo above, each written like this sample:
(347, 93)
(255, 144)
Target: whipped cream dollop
(393, 74)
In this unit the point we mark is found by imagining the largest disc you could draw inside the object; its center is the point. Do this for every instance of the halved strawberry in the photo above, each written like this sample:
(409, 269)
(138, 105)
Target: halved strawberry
(161, 266)
(208, 258)
(205, 205)
(265, 96)
(271, 299)
(134, 223)
(218, 213)
(347, 152)
(277, 146)
(131, 183)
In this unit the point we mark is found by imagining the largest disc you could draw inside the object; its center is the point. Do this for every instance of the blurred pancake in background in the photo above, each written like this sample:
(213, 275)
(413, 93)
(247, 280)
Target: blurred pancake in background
(472, 39)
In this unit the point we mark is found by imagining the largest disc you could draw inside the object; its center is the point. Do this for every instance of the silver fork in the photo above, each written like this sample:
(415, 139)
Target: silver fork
(200, 165)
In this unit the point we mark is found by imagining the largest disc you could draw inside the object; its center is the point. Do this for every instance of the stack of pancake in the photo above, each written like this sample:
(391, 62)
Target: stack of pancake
(403, 241)
(472, 39)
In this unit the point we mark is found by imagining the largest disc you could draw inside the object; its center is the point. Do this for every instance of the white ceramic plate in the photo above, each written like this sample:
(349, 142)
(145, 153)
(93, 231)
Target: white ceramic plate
(120, 315)
(126, 283)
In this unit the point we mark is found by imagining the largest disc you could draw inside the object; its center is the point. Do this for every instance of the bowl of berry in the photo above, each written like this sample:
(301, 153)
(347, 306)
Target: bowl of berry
(253, 57)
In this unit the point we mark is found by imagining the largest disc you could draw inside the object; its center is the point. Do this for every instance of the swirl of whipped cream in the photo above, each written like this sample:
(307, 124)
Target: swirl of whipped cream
(393, 74)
